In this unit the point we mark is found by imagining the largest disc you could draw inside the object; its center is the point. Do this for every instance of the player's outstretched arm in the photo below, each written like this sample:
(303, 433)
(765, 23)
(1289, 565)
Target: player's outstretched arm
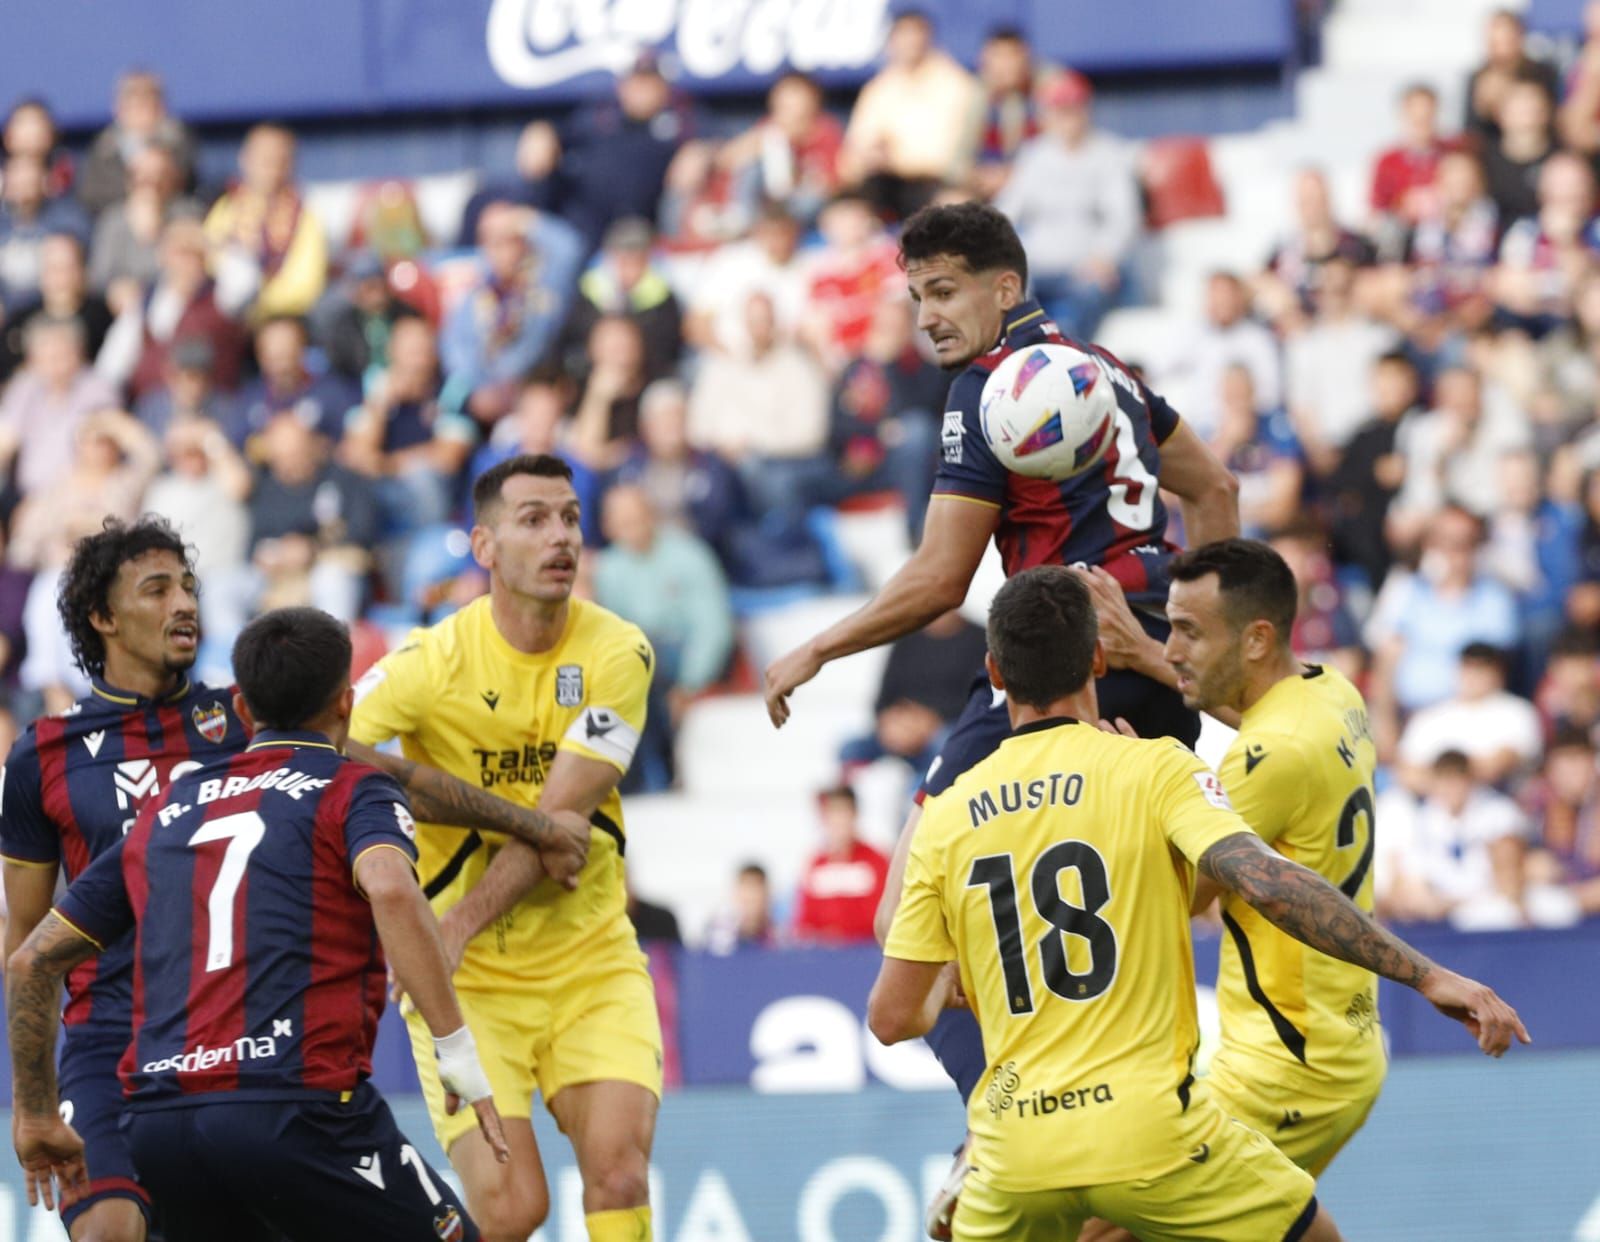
(931, 583)
(49, 1150)
(1307, 907)
(1207, 488)
(908, 998)
(889, 901)
(410, 937)
(30, 889)
(561, 838)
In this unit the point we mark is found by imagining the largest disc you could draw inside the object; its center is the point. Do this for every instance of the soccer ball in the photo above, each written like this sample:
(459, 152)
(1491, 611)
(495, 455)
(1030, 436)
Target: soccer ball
(1049, 411)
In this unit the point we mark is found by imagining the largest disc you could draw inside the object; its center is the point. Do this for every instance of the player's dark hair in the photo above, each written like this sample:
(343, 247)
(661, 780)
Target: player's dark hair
(753, 871)
(1574, 642)
(486, 490)
(976, 233)
(1485, 653)
(1453, 763)
(1570, 737)
(1256, 584)
(289, 664)
(837, 793)
(1042, 631)
(86, 583)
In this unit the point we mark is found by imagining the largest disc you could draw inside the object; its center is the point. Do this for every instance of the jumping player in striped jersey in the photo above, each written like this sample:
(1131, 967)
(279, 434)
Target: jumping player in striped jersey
(263, 891)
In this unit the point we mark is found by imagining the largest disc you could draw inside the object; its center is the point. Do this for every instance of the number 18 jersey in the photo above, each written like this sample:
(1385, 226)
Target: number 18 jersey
(1057, 872)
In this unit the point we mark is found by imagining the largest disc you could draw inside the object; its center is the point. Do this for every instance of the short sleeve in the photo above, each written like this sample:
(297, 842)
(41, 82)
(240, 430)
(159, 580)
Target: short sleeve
(1189, 802)
(968, 469)
(96, 906)
(27, 835)
(609, 726)
(378, 816)
(1264, 782)
(392, 695)
(921, 931)
(1164, 419)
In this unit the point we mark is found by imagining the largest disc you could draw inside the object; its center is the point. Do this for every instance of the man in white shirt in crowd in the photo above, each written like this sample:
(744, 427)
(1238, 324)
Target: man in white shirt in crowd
(1496, 730)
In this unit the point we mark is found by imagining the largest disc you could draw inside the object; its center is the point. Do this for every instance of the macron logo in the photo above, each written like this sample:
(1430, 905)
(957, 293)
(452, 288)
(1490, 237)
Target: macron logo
(135, 779)
(369, 1169)
(93, 741)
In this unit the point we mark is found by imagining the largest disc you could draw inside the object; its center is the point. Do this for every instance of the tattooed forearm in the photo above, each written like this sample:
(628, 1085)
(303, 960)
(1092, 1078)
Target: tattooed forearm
(1310, 909)
(441, 798)
(33, 1009)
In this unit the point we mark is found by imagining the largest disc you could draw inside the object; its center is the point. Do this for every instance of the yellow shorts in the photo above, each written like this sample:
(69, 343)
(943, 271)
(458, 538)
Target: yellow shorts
(1309, 1130)
(597, 1026)
(1242, 1189)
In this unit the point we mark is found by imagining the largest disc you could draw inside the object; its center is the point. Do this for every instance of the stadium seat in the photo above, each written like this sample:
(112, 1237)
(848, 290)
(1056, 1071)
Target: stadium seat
(1178, 182)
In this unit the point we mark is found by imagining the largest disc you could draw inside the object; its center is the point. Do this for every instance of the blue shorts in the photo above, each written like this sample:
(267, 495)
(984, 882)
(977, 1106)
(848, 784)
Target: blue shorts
(316, 1170)
(91, 1103)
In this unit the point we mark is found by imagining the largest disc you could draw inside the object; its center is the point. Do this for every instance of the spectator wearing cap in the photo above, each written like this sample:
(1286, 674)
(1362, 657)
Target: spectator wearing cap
(768, 263)
(1074, 199)
(126, 249)
(509, 317)
(271, 250)
(27, 216)
(1497, 730)
(186, 391)
(287, 385)
(46, 403)
(789, 156)
(1011, 106)
(616, 165)
(624, 281)
(355, 323)
(537, 183)
(139, 121)
(914, 126)
(63, 294)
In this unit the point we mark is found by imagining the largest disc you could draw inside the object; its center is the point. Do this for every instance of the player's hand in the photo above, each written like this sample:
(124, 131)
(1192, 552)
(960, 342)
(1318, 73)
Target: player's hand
(1492, 1022)
(1121, 636)
(950, 979)
(51, 1155)
(564, 847)
(1119, 725)
(784, 676)
(462, 1077)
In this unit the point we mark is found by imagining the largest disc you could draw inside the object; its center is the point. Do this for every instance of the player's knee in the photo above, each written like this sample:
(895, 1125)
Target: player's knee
(620, 1183)
(111, 1226)
(511, 1215)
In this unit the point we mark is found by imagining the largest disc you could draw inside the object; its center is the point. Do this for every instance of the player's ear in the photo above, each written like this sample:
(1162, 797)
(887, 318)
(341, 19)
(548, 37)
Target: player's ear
(1098, 665)
(1259, 640)
(483, 546)
(993, 669)
(1008, 288)
(104, 622)
(241, 709)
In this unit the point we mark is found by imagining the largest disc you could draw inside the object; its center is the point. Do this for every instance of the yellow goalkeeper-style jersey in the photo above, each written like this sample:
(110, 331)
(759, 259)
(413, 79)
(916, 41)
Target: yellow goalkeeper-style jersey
(463, 699)
(1300, 774)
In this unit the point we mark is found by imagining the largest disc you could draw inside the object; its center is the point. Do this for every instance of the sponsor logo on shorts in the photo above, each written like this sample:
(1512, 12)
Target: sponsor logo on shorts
(261, 1048)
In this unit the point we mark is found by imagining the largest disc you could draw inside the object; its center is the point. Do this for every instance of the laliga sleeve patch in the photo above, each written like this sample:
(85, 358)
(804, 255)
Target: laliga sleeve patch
(370, 681)
(1212, 788)
(402, 817)
(604, 731)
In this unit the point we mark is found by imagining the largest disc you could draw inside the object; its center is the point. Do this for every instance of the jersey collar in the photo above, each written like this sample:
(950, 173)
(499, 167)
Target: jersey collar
(122, 698)
(291, 737)
(1027, 314)
(1049, 722)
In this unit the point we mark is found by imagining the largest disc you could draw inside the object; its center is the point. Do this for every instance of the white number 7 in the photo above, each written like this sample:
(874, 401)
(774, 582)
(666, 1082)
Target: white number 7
(242, 832)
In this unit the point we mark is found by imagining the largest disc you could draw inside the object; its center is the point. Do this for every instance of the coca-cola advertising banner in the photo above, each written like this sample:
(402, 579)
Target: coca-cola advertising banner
(308, 58)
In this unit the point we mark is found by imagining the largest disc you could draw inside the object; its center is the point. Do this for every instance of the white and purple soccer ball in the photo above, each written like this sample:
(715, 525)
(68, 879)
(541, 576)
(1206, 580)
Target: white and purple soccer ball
(1049, 411)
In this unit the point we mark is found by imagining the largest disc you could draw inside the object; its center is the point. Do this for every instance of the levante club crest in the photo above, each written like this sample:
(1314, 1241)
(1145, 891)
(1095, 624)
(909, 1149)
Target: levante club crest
(211, 721)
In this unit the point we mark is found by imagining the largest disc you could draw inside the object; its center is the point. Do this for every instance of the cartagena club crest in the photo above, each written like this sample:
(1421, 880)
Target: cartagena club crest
(212, 722)
(569, 685)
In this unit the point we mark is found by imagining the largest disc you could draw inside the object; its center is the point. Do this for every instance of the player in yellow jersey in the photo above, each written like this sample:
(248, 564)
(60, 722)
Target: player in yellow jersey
(1058, 874)
(539, 698)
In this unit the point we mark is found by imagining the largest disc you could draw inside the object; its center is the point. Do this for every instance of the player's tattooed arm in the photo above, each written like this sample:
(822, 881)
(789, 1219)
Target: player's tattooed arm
(1307, 907)
(33, 1010)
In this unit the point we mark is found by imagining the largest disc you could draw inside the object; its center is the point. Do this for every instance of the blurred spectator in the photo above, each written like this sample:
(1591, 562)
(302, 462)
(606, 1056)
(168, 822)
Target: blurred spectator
(47, 401)
(63, 294)
(842, 883)
(748, 922)
(1506, 62)
(27, 217)
(139, 121)
(652, 923)
(510, 316)
(30, 130)
(113, 461)
(606, 422)
(186, 390)
(623, 281)
(1011, 114)
(1422, 621)
(767, 263)
(856, 268)
(1259, 445)
(271, 251)
(1565, 858)
(926, 682)
(1569, 367)
(1324, 630)
(735, 410)
(537, 184)
(1075, 201)
(1225, 338)
(1569, 695)
(1292, 286)
(287, 386)
(1533, 547)
(1583, 602)
(1578, 118)
(401, 439)
(355, 322)
(688, 488)
(914, 125)
(1447, 254)
(388, 222)
(1497, 730)
(127, 236)
(791, 155)
(617, 164)
(1511, 163)
(1323, 367)
(202, 492)
(181, 305)
(668, 582)
(1543, 257)
(701, 206)
(1403, 177)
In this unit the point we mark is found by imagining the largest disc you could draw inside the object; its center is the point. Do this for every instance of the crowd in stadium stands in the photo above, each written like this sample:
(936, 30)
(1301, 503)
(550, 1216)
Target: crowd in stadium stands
(713, 330)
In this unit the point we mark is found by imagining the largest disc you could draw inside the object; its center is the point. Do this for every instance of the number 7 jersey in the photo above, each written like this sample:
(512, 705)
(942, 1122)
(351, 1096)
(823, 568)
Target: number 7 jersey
(1058, 873)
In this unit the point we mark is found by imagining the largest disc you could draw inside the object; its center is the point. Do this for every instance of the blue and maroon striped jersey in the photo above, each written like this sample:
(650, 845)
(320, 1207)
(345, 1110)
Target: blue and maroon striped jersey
(257, 967)
(1110, 516)
(72, 786)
